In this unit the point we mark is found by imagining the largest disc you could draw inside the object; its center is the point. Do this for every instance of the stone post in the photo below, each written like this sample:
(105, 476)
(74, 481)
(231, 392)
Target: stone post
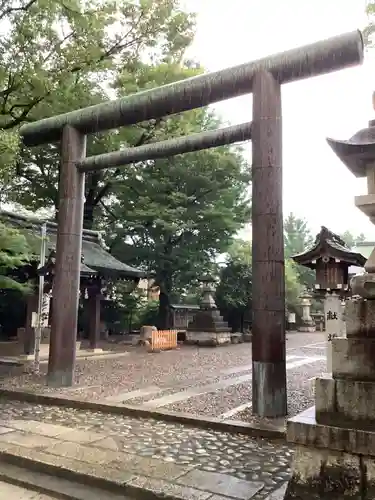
(334, 325)
(292, 321)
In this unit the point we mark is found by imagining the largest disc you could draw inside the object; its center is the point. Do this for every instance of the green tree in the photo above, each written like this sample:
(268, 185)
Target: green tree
(297, 235)
(352, 240)
(369, 31)
(176, 215)
(234, 292)
(293, 287)
(297, 239)
(14, 253)
(55, 56)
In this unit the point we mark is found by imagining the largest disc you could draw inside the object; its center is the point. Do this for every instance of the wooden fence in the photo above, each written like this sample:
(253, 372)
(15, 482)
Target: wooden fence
(162, 340)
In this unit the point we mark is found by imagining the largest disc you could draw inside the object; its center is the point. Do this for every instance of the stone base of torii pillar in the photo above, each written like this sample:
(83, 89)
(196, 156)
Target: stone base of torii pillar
(335, 440)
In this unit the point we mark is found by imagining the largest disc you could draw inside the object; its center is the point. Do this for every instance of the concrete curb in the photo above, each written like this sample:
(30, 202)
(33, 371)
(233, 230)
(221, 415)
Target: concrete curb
(51, 485)
(267, 431)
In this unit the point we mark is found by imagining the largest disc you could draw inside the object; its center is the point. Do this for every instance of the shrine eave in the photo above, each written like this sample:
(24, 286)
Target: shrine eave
(185, 307)
(97, 260)
(86, 271)
(328, 244)
(309, 258)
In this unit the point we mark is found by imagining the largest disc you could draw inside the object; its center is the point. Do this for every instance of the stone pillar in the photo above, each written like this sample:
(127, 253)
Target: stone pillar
(335, 441)
(292, 321)
(68, 261)
(334, 325)
(343, 318)
(269, 396)
(93, 304)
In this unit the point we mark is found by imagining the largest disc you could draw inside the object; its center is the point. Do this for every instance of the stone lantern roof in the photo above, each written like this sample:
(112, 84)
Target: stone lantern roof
(328, 245)
(358, 155)
(357, 151)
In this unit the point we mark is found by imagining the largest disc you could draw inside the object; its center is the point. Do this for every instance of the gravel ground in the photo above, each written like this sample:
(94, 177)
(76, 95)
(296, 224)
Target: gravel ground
(300, 396)
(178, 370)
(116, 375)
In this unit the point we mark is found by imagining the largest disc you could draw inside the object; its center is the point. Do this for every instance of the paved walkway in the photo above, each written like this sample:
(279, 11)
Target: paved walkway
(189, 463)
(16, 493)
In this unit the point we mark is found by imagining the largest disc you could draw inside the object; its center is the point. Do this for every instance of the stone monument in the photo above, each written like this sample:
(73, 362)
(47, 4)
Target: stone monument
(335, 440)
(307, 323)
(208, 327)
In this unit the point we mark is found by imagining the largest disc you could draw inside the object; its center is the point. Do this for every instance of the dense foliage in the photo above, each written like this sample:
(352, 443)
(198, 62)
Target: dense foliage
(14, 253)
(175, 216)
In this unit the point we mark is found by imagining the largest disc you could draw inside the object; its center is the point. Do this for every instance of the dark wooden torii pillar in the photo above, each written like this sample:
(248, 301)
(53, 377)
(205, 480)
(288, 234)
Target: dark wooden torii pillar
(268, 346)
(264, 77)
(68, 260)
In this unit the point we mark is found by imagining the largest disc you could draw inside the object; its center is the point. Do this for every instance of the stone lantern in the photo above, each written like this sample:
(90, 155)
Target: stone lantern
(334, 441)
(308, 325)
(208, 327)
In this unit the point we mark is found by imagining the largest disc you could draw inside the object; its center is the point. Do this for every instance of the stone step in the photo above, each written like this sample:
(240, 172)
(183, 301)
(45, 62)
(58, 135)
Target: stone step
(54, 486)
(305, 430)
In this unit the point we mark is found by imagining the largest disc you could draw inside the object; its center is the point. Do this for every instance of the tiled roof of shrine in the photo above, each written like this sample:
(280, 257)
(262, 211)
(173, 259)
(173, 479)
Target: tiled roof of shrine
(330, 245)
(95, 256)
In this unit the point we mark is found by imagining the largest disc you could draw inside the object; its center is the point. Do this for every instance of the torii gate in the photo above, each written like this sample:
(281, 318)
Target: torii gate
(263, 78)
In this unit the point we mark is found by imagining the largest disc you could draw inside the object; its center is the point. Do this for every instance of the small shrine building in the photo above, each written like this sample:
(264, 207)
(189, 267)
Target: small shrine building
(331, 259)
(99, 270)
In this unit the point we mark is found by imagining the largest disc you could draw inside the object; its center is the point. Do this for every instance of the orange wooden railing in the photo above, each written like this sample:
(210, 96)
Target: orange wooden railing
(163, 340)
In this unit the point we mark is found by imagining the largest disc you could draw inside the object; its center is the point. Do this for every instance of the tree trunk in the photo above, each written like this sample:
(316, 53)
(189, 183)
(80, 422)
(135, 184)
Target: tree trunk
(91, 200)
(88, 215)
(164, 315)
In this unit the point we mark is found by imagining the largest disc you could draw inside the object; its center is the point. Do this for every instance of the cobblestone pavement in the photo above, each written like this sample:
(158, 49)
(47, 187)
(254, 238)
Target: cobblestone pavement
(202, 381)
(154, 445)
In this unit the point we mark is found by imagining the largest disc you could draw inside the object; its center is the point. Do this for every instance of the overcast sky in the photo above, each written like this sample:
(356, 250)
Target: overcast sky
(316, 185)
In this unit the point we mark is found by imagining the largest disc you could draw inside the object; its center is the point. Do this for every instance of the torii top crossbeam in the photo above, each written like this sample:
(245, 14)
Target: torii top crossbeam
(311, 60)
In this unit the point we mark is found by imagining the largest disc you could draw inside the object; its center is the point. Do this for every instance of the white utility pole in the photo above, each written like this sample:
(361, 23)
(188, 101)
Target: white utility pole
(40, 320)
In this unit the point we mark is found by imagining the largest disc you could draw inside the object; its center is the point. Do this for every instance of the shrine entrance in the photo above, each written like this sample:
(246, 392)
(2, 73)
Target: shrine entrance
(263, 78)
